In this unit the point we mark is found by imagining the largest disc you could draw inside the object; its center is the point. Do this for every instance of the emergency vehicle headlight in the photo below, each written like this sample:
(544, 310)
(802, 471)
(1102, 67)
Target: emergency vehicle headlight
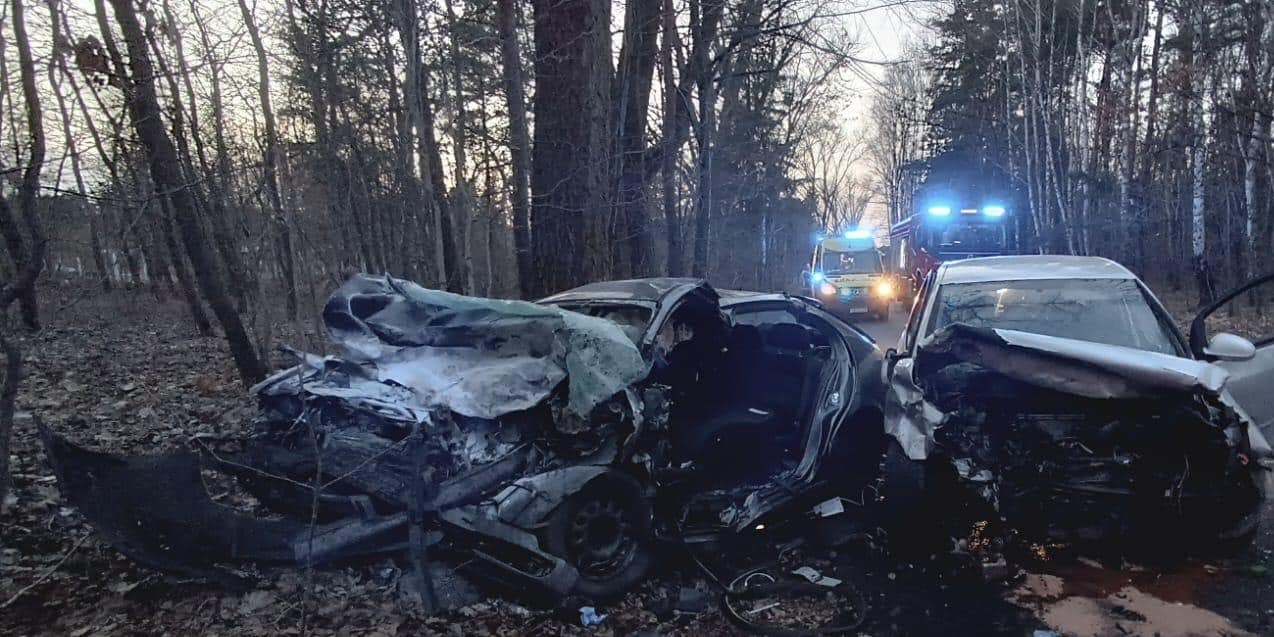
(857, 234)
(884, 289)
(817, 277)
(993, 211)
(827, 289)
(939, 211)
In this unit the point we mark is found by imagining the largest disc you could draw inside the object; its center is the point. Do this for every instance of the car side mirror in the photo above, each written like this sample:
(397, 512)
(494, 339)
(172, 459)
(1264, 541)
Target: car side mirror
(1229, 347)
(892, 356)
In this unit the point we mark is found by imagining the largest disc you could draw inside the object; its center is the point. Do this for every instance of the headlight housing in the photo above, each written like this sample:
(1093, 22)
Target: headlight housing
(884, 289)
(827, 289)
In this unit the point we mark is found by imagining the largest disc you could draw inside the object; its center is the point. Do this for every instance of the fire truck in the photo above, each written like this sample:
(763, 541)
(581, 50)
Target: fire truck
(952, 206)
(947, 231)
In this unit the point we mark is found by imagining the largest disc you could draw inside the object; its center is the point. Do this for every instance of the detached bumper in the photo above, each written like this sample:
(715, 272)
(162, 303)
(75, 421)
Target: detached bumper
(155, 509)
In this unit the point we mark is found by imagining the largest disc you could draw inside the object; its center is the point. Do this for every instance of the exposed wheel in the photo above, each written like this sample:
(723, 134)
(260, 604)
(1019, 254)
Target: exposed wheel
(604, 531)
(908, 510)
(1237, 535)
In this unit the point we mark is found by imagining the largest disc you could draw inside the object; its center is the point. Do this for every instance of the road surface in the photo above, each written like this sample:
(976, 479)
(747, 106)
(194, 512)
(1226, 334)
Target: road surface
(885, 332)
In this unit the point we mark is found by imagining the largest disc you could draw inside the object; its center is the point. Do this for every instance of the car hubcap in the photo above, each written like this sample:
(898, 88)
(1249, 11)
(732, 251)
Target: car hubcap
(601, 539)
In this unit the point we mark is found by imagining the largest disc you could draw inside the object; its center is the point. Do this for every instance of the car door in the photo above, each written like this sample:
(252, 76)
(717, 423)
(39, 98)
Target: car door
(1248, 312)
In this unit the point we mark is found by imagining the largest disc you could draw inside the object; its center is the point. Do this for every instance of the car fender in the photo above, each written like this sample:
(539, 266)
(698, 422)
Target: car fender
(528, 502)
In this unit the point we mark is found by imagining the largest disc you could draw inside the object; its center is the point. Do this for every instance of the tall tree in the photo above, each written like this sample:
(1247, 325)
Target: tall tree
(30, 261)
(519, 142)
(273, 158)
(569, 156)
(165, 170)
(632, 89)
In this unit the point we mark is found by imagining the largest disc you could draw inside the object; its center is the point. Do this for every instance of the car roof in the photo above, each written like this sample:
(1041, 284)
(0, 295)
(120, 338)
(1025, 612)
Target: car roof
(1031, 266)
(639, 290)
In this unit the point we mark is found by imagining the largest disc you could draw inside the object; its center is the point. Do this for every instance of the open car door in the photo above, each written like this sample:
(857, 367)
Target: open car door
(1246, 312)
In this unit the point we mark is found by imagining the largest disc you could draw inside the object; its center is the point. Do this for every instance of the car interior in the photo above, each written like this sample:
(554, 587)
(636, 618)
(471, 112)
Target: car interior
(742, 392)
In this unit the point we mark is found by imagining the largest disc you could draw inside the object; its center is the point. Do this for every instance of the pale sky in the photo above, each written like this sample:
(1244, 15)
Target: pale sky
(884, 33)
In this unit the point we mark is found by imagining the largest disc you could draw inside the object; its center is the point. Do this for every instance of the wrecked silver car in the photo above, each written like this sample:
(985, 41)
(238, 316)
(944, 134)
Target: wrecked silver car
(1057, 389)
(548, 447)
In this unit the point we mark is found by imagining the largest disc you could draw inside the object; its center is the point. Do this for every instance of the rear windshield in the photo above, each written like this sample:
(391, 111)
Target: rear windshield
(1110, 311)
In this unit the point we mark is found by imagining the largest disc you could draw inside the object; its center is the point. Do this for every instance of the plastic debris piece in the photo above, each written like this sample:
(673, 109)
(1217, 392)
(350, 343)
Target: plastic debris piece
(691, 600)
(588, 616)
(815, 577)
(762, 608)
(828, 508)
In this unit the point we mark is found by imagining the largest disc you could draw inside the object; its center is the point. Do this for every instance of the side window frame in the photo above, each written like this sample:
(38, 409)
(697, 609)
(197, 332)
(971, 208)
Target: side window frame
(918, 309)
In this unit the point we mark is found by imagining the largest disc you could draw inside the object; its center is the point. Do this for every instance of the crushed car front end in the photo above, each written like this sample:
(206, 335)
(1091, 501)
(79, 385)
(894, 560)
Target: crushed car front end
(446, 416)
(1078, 441)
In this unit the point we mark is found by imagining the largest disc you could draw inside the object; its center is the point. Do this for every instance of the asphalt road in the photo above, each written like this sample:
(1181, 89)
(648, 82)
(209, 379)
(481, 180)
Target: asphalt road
(885, 332)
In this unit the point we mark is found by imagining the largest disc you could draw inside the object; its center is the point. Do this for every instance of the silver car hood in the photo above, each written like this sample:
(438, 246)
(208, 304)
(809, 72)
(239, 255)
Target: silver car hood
(1084, 368)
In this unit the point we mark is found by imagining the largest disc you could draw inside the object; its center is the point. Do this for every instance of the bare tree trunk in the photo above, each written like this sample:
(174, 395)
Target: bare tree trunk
(1198, 157)
(519, 141)
(1251, 147)
(270, 168)
(431, 156)
(220, 147)
(415, 97)
(668, 169)
(26, 271)
(185, 282)
(25, 256)
(569, 162)
(165, 170)
(707, 128)
(462, 203)
(632, 98)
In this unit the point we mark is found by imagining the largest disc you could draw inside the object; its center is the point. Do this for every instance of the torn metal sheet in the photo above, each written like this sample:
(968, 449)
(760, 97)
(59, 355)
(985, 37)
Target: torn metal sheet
(909, 417)
(478, 357)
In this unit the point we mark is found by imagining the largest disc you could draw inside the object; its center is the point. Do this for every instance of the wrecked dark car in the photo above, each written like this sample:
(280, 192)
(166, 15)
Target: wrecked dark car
(1057, 390)
(548, 447)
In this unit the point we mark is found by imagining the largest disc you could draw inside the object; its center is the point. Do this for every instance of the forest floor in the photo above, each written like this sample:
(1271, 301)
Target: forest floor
(125, 373)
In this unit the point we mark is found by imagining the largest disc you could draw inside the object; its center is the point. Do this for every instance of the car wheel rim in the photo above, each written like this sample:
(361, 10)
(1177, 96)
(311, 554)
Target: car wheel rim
(601, 539)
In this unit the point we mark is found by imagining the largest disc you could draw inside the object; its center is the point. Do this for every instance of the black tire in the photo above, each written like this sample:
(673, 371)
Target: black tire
(604, 531)
(909, 515)
(883, 314)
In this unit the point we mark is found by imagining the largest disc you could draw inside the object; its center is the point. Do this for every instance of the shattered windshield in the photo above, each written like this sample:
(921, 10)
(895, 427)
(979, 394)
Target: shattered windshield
(632, 319)
(1109, 311)
(852, 262)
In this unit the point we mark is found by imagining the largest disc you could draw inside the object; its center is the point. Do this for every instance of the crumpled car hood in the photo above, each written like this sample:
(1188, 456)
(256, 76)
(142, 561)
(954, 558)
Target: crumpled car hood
(406, 346)
(1084, 368)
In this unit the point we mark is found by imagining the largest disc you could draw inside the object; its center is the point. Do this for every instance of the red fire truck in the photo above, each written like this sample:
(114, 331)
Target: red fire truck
(944, 231)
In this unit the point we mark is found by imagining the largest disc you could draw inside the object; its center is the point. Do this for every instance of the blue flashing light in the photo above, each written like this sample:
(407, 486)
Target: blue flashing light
(817, 277)
(993, 211)
(939, 211)
(857, 234)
